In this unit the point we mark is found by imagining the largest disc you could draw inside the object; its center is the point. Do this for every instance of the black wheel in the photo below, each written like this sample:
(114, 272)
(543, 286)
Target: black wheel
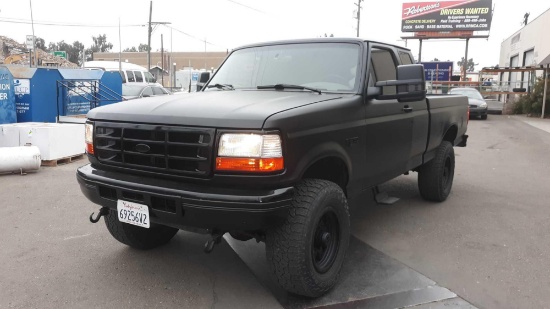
(138, 237)
(484, 117)
(305, 254)
(435, 178)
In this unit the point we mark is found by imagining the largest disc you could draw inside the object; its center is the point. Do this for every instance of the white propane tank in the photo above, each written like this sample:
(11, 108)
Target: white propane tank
(16, 159)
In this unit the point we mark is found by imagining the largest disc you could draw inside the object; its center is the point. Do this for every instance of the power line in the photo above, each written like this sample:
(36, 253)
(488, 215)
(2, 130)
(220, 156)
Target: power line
(51, 23)
(248, 7)
(194, 37)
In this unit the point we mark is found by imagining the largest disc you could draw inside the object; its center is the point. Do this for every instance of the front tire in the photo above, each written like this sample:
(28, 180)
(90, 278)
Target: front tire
(435, 178)
(305, 254)
(484, 117)
(138, 237)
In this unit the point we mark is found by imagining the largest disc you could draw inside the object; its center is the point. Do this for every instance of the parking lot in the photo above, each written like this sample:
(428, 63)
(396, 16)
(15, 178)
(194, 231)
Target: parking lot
(485, 247)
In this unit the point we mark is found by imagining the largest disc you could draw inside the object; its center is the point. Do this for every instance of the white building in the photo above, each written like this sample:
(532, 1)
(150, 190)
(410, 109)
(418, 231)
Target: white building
(527, 47)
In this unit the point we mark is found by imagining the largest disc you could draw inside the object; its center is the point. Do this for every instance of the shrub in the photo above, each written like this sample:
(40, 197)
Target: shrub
(532, 103)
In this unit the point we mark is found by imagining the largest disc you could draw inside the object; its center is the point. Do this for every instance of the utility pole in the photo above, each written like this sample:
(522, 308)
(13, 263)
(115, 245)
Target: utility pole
(162, 58)
(465, 64)
(149, 31)
(33, 39)
(358, 14)
(119, 49)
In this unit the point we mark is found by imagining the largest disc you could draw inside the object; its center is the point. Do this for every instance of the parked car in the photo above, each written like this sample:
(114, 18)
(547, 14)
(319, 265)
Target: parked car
(142, 90)
(130, 73)
(478, 106)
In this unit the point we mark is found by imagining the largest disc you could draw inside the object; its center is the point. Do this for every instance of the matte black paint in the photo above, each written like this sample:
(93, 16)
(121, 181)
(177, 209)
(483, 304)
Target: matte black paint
(389, 137)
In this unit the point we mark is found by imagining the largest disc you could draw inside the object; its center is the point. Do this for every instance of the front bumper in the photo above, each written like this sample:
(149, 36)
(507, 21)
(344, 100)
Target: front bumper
(186, 206)
(474, 112)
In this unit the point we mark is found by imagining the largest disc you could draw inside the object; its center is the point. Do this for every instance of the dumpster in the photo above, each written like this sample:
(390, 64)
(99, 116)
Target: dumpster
(80, 90)
(7, 97)
(35, 93)
(77, 89)
(110, 89)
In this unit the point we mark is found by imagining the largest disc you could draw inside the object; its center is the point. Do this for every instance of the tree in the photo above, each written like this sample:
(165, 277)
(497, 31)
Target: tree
(75, 55)
(132, 49)
(143, 48)
(435, 60)
(40, 43)
(101, 44)
(470, 65)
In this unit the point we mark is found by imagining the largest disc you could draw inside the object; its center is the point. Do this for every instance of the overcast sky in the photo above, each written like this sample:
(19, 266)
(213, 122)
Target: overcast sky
(226, 24)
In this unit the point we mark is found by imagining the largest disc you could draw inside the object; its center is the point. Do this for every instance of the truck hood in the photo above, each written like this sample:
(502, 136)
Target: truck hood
(223, 109)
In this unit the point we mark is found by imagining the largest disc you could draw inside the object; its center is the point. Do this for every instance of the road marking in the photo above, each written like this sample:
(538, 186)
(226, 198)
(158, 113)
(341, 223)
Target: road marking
(74, 237)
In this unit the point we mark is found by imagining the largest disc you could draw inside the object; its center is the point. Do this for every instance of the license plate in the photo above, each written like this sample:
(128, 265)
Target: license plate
(133, 213)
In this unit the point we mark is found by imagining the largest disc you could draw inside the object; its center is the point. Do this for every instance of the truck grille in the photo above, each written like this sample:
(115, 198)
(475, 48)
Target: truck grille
(162, 149)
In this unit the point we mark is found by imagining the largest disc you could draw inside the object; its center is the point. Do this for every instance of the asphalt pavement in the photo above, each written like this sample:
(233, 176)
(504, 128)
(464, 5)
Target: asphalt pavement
(486, 246)
(489, 241)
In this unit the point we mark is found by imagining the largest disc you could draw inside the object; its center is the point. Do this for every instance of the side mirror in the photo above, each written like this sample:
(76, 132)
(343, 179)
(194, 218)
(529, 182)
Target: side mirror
(203, 79)
(409, 86)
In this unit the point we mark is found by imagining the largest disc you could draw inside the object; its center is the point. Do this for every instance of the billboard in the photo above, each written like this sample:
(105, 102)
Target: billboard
(438, 70)
(443, 16)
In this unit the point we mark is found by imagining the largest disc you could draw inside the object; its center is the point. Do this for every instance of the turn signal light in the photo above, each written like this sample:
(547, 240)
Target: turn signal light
(264, 165)
(90, 148)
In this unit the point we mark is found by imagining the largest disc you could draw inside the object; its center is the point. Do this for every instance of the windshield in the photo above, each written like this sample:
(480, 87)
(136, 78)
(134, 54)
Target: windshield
(470, 93)
(324, 66)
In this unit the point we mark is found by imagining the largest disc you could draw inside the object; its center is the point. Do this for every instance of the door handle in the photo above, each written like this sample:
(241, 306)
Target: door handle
(407, 109)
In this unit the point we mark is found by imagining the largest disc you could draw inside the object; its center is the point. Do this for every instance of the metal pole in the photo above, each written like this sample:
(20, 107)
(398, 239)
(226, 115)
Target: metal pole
(119, 49)
(174, 68)
(420, 52)
(162, 58)
(171, 50)
(465, 64)
(545, 89)
(33, 38)
(149, 30)
(358, 15)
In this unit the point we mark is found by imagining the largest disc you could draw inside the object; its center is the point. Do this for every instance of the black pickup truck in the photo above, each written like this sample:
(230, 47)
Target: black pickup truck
(283, 141)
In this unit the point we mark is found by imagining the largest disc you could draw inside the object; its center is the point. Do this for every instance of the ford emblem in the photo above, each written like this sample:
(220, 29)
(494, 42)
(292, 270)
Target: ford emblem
(143, 148)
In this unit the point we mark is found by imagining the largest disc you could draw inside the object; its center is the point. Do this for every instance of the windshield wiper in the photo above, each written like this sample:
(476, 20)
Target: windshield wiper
(289, 86)
(222, 86)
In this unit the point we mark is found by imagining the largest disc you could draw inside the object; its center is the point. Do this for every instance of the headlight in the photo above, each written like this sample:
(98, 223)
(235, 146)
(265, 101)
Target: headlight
(89, 137)
(250, 153)
(483, 105)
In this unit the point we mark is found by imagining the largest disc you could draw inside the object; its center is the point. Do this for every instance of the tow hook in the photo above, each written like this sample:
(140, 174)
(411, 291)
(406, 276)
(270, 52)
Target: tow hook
(216, 239)
(102, 212)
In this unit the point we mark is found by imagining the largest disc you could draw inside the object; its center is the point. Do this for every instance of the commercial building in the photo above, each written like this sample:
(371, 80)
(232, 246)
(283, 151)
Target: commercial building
(528, 47)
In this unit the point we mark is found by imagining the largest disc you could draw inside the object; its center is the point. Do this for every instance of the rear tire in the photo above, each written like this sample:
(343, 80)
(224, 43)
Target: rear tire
(305, 254)
(138, 237)
(435, 178)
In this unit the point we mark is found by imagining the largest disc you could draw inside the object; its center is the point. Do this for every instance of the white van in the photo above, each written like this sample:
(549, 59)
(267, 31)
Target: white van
(131, 73)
